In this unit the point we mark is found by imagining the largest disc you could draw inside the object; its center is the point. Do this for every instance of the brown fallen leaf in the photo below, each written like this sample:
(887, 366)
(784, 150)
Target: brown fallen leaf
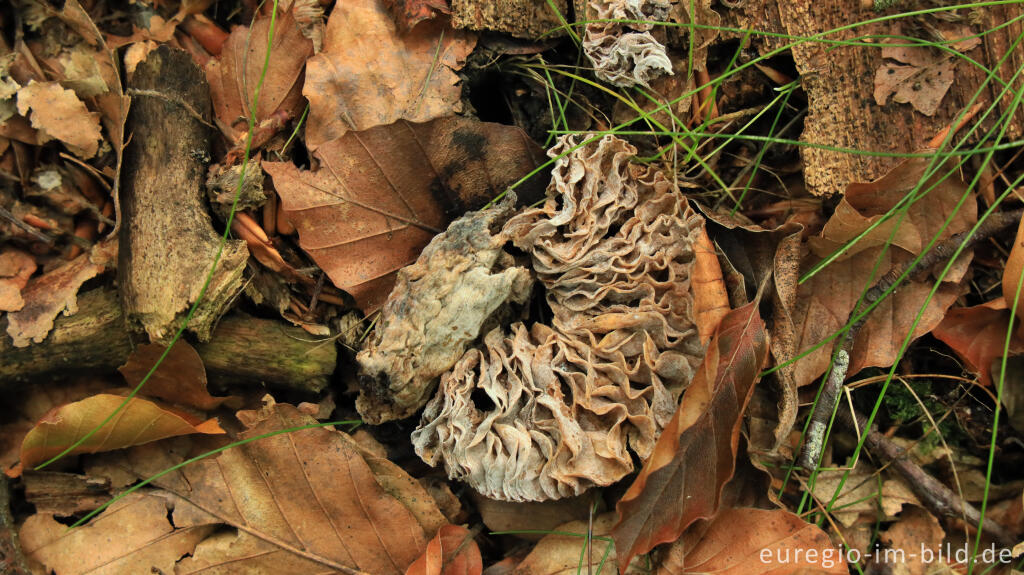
(920, 76)
(135, 535)
(565, 551)
(381, 194)
(55, 292)
(180, 378)
(369, 74)
(746, 541)
(409, 13)
(301, 502)
(16, 267)
(978, 334)
(234, 75)
(915, 531)
(695, 456)
(141, 421)
(58, 113)
(826, 300)
(451, 552)
(1013, 274)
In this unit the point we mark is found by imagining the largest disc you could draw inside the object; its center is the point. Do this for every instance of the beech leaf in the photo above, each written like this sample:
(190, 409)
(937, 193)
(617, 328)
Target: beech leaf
(370, 74)
(380, 195)
(752, 541)
(180, 378)
(59, 114)
(141, 421)
(233, 76)
(451, 552)
(695, 455)
(977, 334)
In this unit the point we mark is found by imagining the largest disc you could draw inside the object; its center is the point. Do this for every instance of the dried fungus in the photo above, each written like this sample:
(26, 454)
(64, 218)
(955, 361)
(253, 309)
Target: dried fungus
(438, 308)
(548, 410)
(626, 54)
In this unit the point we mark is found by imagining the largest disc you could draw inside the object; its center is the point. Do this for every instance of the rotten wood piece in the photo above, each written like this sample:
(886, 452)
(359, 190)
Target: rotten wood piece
(840, 81)
(168, 244)
(244, 350)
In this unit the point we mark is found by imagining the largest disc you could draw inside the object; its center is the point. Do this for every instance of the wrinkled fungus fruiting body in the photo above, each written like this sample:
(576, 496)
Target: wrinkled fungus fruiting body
(548, 409)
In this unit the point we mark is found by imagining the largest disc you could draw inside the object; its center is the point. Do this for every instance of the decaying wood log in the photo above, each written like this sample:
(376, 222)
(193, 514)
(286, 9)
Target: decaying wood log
(840, 81)
(243, 350)
(168, 243)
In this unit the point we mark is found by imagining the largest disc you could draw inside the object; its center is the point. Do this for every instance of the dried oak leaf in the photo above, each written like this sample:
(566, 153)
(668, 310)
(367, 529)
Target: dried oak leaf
(58, 113)
(370, 74)
(437, 310)
(307, 501)
(920, 76)
(826, 300)
(695, 456)
(234, 75)
(381, 194)
(548, 411)
(751, 541)
(627, 54)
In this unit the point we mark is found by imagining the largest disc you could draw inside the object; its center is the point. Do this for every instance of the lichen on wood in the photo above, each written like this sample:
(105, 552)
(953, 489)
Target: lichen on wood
(548, 410)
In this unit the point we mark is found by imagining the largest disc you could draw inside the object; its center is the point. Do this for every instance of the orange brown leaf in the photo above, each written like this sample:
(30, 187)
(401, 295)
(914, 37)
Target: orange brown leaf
(451, 552)
(380, 195)
(141, 421)
(370, 74)
(746, 541)
(978, 334)
(695, 456)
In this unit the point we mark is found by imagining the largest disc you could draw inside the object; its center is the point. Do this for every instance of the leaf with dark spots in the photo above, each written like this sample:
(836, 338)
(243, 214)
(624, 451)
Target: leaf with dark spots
(382, 193)
(695, 456)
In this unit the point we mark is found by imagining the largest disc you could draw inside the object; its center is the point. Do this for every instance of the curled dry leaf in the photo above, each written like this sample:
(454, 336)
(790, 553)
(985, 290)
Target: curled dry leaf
(826, 300)
(627, 54)
(370, 74)
(451, 552)
(745, 541)
(56, 291)
(58, 113)
(548, 411)
(16, 267)
(381, 194)
(234, 75)
(695, 456)
(141, 421)
(460, 282)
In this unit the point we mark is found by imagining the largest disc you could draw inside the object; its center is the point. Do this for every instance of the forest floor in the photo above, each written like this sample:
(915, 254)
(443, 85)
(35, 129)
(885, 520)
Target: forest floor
(511, 286)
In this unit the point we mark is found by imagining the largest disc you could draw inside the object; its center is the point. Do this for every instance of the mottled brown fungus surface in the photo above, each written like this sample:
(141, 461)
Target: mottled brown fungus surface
(548, 409)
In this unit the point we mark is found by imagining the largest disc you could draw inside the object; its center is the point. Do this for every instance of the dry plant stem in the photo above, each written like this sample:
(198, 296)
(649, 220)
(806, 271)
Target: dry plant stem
(813, 445)
(96, 338)
(12, 559)
(938, 498)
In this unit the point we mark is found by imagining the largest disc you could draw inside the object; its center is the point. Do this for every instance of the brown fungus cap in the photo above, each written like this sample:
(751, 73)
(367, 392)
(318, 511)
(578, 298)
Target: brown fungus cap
(548, 410)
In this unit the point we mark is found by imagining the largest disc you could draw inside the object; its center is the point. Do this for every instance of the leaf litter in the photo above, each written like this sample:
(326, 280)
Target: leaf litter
(583, 341)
